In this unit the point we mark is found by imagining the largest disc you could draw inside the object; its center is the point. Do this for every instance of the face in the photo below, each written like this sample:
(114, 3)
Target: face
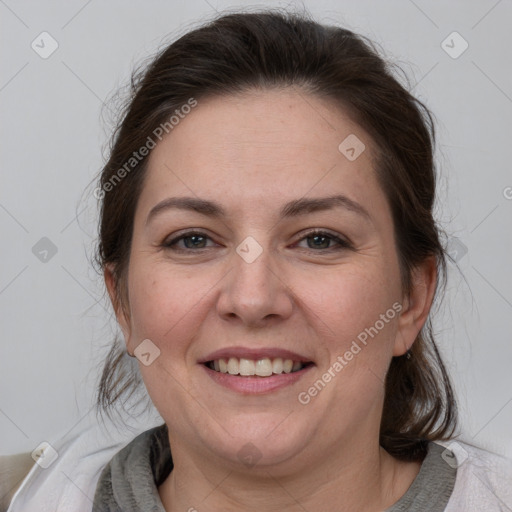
(259, 272)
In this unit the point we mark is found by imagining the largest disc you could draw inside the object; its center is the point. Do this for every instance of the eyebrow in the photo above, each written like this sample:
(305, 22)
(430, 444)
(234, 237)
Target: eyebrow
(291, 209)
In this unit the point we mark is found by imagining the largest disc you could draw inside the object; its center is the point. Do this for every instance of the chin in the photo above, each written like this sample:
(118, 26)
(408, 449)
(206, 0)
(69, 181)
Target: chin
(257, 440)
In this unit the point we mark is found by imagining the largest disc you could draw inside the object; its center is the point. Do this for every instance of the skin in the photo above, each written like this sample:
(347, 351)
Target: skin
(252, 153)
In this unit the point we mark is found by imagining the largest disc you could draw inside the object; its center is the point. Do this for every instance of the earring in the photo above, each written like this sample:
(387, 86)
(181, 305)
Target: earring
(408, 356)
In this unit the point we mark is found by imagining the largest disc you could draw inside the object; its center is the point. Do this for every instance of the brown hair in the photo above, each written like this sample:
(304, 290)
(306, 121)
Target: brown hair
(272, 48)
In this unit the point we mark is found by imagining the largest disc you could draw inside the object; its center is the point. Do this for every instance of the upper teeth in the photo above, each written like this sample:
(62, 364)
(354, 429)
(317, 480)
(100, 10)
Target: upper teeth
(261, 367)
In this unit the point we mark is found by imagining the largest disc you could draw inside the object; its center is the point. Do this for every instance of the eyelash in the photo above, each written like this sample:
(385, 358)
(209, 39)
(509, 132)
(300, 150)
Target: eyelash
(342, 244)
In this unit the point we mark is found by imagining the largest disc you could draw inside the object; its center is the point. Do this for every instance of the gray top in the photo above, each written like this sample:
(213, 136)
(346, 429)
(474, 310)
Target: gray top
(130, 481)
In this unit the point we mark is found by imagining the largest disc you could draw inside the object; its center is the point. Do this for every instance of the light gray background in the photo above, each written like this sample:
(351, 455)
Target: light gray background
(55, 321)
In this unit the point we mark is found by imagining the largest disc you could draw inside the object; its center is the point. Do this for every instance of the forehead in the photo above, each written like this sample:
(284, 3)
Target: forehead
(260, 143)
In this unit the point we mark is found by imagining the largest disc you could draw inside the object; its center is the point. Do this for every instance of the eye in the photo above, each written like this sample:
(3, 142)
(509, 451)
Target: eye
(191, 240)
(317, 240)
(322, 241)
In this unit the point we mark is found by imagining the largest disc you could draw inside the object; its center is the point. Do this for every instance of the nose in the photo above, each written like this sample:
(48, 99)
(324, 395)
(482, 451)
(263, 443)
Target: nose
(255, 293)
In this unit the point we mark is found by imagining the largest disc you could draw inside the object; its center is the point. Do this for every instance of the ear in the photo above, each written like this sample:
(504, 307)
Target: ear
(416, 306)
(122, 318)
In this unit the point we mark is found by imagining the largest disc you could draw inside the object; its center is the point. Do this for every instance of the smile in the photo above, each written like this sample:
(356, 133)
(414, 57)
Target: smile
(264, 367)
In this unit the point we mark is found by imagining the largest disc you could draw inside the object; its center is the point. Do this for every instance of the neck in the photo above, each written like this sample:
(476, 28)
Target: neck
(361, 477)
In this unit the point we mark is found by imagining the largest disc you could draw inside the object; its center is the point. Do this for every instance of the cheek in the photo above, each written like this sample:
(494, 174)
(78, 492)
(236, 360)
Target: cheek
(360, 312)
(362, 324)
(166, 309)
(350, 302)
(163, 304)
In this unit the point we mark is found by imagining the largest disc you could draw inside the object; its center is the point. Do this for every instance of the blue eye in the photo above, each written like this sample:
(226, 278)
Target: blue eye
(194, 241)
(321, 238)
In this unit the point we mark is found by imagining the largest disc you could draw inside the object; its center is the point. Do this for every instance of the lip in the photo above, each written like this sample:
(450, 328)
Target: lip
(254, 354)
(254, 385)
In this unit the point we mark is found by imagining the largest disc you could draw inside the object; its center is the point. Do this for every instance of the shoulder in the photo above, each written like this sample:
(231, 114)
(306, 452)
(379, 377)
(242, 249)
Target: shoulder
(140, 450)
(69, 482)
(13, 470)
(483, 481)
(134, 472)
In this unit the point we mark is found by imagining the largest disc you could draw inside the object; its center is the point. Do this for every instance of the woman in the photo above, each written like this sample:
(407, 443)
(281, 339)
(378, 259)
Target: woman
(269, 248)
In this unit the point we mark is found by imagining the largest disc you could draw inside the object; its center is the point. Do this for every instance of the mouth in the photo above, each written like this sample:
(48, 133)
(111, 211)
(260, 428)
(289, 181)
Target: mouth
(263, 367)
(255, 371)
